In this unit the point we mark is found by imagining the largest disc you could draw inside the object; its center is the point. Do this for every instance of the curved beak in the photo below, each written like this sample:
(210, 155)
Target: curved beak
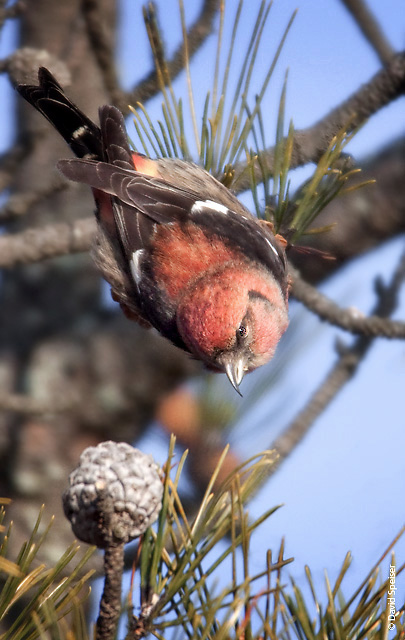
(235, 370)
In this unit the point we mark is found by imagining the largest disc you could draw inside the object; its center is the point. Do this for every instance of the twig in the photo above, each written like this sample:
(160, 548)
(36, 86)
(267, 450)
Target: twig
(347, 319)
(34, 245)
(20, 203)
(103, 47)
(110, 605)
(370, 28)
(7, 13)
(154, 34)
(341, 373)
(197, 35)
(102, 43)
(309, 144)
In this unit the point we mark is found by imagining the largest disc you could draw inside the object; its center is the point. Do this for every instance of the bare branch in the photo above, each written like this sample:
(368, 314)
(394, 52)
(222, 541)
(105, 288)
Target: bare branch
(20, 203)
(102, 43)
(110, 604)
(197, 35)
(309, 144)
(103, 46)
(341, 373)
(370, 28)
(13, 11)
(362, 219)
(349, 319)
(49, 241)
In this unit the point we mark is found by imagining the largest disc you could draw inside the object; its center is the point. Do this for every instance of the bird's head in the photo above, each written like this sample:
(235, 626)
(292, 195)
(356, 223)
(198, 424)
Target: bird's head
(233, 319)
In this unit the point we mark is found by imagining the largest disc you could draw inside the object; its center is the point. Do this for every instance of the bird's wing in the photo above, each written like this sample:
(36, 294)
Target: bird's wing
(140, 202)
(134, 196)
(153, 197)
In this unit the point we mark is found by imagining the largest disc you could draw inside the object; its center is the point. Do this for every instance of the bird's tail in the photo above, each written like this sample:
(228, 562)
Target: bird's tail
(82, 135)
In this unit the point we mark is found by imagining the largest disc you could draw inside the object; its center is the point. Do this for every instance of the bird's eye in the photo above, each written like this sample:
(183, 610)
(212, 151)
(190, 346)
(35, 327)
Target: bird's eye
(242, 332)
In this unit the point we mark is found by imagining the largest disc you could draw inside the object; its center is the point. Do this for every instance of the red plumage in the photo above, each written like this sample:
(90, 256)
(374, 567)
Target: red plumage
(180, 251)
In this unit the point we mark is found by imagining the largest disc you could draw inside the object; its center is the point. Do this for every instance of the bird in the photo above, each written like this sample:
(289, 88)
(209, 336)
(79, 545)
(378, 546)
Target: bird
(181, 253)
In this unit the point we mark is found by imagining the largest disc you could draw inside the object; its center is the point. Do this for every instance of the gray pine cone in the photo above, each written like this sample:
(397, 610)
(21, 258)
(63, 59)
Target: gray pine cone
(114, 494)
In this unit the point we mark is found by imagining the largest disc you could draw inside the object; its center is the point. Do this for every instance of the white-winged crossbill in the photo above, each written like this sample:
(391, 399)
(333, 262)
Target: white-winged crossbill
(179, 250)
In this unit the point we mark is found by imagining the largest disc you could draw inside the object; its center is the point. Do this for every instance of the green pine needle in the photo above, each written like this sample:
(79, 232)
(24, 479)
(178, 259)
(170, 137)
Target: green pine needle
(34, 599)
(229, 127)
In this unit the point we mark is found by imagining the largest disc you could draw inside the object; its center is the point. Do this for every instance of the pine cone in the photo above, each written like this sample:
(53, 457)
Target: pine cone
(114, 494)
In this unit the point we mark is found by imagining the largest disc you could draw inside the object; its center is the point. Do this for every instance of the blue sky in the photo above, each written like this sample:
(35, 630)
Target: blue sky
(343, 487)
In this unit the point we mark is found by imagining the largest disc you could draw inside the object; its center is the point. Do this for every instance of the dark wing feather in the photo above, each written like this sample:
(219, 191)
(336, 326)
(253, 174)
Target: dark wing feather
(135, 231)
(50, 100)
(115, 140)
(152, 197)
(138, 201)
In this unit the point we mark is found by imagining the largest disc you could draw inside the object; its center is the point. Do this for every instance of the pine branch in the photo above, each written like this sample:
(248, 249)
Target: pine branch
(13, 11)
(110, 604)
(197, 35)
(102, 43)
(342, 372)
(361, 220)
(20, 204)
(309, 144)
(348, 319)
(370, 28)
(36, 244)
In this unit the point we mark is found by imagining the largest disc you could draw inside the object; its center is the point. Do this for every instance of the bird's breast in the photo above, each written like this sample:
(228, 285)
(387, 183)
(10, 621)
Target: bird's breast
(182, 254)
